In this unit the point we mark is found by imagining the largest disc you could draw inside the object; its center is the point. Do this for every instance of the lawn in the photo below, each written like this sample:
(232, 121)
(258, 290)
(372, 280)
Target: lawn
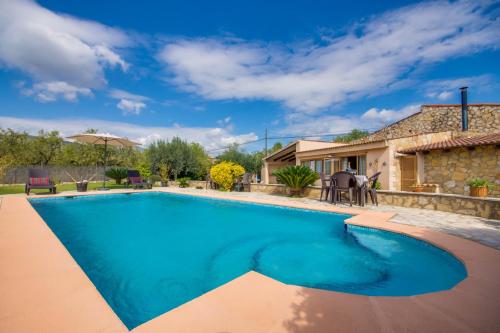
(12, 189)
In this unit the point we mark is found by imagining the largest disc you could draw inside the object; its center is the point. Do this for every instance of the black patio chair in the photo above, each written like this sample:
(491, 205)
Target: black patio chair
(246, 182)
(39, 179)
(372, 190)
(134, 178)
(209, 183)
(342, 181)
(325, 186)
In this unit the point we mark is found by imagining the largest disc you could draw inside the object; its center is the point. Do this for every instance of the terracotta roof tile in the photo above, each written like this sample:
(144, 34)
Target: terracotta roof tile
(478, 140)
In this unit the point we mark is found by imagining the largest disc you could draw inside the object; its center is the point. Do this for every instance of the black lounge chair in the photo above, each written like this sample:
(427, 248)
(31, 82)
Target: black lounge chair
(134, 178)
(209, 183)
(372, 190)
(246, 182)
(342, 181)
(39, 179)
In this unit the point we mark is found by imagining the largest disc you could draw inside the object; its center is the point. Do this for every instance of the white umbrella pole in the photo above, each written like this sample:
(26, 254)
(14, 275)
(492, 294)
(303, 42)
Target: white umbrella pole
(105, 162)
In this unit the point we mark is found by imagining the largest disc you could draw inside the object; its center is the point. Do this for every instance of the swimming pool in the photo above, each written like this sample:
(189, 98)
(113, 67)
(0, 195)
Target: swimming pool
(148, 253)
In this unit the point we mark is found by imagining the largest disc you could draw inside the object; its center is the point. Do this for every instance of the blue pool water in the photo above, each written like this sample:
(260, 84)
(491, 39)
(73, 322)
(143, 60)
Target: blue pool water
(148, 253)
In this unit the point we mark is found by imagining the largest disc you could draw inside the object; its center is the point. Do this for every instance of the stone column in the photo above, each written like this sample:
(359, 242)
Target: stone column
(420, 168)
(265, 173)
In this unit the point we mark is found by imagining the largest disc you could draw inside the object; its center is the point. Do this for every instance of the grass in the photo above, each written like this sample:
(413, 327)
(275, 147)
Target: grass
(13, 189)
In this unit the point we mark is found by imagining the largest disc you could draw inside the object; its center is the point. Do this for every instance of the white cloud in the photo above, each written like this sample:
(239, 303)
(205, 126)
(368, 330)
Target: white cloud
(445, 95)
(373, 119)
(380, 117)
(320, 125)
(130, 107)
(128, 102)
(372, 57)
(51, 91)
(209, 137)
(446, 89)
(119, 94)
(52, 47)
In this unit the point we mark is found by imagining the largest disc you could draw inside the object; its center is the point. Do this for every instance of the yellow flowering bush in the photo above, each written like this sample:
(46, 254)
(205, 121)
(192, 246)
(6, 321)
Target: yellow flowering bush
(225, 173)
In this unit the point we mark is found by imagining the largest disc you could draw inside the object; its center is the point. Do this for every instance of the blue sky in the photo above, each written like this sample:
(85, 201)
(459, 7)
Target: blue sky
(221, 72)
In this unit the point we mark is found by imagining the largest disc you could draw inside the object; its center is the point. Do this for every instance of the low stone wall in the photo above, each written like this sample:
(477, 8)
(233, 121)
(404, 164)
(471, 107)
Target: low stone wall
(460, 204)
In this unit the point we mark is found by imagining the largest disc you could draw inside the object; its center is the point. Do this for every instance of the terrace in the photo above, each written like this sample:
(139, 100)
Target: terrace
(44, 287)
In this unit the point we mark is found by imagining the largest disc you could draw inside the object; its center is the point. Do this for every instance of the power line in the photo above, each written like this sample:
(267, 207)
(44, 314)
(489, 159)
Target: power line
(239, 144)
(286, 137)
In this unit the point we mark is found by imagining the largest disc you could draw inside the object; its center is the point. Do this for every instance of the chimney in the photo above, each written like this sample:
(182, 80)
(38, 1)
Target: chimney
(465, 120)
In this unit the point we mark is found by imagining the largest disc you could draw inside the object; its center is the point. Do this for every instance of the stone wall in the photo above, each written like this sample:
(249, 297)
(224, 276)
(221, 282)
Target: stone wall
(483, 118)
(482, 207)
(460, 204)
(407, 142)
(452, 169)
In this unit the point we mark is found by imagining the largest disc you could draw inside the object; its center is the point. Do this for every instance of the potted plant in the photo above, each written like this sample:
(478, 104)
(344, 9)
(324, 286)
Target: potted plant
(418, 187)
(82, 184)
(296, 178)
(479, 187)
(184, 181)
(117, 174)
(153, 179)
(164, 174)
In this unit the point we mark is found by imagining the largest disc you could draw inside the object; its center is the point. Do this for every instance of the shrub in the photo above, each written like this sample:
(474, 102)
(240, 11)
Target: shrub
(184, 181)
(480, 182)
(117, 174)
(296, 178)
(225, 173)
(5, 162)
(163, 172)
(144, 169)
(377, 185)
(199, 187)
(153, 179)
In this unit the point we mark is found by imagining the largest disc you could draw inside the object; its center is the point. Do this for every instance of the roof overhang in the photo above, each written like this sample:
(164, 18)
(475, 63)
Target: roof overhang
(285, 154)
(353, 148)
(461, 142)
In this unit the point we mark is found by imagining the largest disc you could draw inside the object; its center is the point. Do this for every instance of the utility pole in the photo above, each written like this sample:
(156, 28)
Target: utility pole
(265, 139)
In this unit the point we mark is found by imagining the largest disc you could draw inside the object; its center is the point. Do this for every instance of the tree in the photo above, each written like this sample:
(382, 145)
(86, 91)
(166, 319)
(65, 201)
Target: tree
(277, 146)
(44, 147)
(252, 162)
(182, 158)
(14, 146)
(355, 134)
(202, 162)
(117, 174)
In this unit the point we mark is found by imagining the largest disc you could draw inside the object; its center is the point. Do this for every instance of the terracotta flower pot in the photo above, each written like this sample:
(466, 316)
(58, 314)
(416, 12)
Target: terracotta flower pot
(418, 188)
(480, 191)
(295, 192)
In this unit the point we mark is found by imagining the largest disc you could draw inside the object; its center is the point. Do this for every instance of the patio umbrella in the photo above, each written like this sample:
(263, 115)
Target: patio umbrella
(103, 139)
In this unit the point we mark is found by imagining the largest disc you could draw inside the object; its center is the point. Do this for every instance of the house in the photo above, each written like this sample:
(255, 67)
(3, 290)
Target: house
(442, 146)
(287, 156)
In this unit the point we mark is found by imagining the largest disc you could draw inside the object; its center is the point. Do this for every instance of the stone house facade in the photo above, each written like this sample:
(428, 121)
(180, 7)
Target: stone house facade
(389, 151)
(451, 163)
(435, 118)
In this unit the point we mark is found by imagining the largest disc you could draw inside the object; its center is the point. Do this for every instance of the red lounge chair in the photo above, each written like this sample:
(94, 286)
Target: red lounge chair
(135, 179)
(39, 179)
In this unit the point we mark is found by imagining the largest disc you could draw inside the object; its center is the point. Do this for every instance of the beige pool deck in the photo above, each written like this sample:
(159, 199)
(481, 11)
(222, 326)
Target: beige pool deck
(42, 289)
